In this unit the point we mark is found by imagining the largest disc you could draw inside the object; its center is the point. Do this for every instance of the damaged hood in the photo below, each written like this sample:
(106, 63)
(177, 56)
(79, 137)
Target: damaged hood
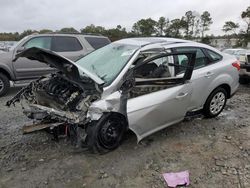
(67, 66)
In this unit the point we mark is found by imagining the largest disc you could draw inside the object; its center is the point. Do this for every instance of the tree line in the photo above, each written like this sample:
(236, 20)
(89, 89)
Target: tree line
(232, 29)
(192, 25)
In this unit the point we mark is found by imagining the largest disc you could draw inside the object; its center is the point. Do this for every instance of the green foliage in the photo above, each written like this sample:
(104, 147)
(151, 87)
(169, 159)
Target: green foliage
(161, 25)
(68, 30)
(26, 33)
(44, 31)
(174, 29)
(188, 23)
(145, 27)
(245, 15)
(9, 36)
(205, 22)
(114, 34)
(230, 27)
(118, 33)
(94, 30)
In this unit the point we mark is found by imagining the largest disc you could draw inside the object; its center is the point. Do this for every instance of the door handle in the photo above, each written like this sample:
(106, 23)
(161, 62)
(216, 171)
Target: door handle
(181, 95)
(209, 74)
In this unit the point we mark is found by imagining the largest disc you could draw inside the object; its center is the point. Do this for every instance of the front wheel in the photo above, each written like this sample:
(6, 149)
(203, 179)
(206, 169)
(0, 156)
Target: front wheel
(106, 134)
(215, 103)
(4, 84)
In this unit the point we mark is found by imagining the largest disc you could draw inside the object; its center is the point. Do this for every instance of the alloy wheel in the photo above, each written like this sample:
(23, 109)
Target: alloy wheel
(217, 103)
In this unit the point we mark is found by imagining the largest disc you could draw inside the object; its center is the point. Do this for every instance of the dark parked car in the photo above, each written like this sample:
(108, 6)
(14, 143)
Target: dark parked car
(71, 46)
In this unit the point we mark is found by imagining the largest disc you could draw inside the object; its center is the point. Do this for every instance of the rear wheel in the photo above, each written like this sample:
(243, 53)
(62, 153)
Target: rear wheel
(106, 134)
(4, 84)
(215, 103)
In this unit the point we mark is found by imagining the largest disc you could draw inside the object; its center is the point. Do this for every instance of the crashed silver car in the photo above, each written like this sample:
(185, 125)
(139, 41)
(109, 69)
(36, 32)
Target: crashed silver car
(141, 84)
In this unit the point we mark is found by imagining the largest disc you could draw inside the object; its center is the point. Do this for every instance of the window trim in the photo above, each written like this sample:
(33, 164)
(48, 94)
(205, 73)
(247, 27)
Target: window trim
(187, 74)
(53, 41)
(205, 50)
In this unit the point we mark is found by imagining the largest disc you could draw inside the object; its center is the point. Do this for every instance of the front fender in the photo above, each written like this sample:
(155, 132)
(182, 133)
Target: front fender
(116, 102)
(6, 69)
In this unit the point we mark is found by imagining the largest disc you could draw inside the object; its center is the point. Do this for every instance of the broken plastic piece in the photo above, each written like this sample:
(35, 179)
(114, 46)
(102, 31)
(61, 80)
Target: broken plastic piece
(178, 178)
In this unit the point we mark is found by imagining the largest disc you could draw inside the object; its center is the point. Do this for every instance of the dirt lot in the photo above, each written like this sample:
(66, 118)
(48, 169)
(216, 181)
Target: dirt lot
(215, 151)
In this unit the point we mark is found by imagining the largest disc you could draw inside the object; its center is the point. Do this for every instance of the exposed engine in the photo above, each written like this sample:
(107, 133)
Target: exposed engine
(56, 98)
(57, 92)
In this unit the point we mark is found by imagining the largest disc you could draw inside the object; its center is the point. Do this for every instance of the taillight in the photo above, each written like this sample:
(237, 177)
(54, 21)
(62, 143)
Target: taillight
(236, 64)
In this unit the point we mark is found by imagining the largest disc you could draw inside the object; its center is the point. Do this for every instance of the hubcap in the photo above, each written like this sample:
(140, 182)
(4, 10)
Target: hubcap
(217, 103)
(1, 85)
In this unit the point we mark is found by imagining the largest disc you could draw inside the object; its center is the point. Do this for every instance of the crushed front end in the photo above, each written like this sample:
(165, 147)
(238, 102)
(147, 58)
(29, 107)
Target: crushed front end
(57, 101)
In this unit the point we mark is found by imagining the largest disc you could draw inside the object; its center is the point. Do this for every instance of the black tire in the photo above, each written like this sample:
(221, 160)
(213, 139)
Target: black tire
(244, 80)
(4, 84)
(106, 134)
(215, 98)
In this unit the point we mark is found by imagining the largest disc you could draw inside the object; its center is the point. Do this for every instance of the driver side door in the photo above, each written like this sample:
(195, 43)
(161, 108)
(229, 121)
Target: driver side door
(158, 98)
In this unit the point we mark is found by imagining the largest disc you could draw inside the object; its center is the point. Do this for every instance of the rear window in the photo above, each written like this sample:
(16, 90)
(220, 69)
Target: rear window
(97, 42)
(65, 44)
(200, 60)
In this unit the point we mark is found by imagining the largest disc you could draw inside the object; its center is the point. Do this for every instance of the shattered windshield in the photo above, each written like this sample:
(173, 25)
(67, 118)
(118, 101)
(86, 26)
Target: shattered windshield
(107, 62)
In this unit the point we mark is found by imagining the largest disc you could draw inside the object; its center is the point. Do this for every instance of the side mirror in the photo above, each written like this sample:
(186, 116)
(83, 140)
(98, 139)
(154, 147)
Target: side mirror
(20, 49)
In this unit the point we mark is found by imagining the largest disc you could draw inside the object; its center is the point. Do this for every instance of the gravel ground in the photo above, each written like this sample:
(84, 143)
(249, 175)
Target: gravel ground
(215, 151)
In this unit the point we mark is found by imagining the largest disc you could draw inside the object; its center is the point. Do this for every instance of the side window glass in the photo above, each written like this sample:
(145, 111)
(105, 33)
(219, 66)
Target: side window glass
(157, 68)
(200, 61)
(97, 42)
(155, 76)
(213, 55)
(65, 44)
(39, 42)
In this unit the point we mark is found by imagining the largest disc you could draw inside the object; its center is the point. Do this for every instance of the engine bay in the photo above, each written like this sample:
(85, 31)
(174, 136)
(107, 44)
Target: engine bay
(55, 98)
(57, 92)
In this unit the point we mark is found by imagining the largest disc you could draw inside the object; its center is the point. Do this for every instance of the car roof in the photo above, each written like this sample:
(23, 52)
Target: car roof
(67, 34)
(147, 43)
(143, 41)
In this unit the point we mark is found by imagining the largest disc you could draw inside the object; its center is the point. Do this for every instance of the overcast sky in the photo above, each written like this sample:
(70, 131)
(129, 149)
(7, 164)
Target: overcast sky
(19, 15)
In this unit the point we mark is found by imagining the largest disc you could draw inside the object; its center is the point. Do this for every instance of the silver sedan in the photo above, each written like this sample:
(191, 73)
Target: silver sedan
(141, 84)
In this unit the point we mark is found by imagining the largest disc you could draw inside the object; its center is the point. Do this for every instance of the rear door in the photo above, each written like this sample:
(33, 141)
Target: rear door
(203, 74)
(68, 46)
(29, 69)
(159, 98)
